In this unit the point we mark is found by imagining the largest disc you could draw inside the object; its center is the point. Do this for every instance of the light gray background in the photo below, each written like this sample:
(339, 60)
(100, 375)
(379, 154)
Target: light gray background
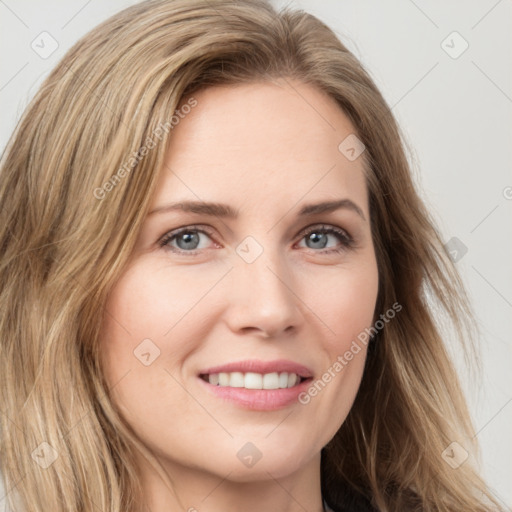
(455, 112)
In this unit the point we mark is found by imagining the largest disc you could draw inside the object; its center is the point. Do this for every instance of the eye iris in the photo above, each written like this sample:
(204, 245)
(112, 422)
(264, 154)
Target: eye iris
(317, 238)
(190, 240)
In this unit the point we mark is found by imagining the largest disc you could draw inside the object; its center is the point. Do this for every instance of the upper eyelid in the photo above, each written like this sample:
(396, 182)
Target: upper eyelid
(210, 231)
(175, 232)
(323, 226)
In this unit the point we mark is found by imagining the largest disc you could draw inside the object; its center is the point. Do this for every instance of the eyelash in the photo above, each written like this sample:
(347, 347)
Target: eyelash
(347, 242)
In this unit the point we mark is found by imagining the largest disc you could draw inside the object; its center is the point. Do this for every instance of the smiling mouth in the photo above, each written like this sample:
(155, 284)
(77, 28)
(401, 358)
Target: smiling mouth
(252, 380)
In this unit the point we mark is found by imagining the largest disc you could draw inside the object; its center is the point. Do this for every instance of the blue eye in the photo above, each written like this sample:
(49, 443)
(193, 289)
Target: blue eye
(317, 237)
(187, 240)
(192, 239)
(184, 240)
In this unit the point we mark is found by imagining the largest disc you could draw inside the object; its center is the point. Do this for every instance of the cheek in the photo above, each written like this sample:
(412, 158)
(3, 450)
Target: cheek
(144, 337)
(154, 301)
(344, 303)
(150, 300)
(155, 316)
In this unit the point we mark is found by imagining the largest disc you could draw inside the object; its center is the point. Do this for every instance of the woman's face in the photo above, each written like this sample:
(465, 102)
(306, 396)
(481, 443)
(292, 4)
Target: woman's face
(239, 266)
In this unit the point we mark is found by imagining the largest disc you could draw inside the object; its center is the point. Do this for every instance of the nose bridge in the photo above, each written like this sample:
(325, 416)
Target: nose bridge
(263, 288)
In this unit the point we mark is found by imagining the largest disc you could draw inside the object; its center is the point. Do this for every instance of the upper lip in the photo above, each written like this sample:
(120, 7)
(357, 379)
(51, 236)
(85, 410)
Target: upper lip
(258, 366)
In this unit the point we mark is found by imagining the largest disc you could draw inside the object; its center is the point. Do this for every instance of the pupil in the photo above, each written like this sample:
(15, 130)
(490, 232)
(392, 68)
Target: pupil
(318, 238)
(190, 240)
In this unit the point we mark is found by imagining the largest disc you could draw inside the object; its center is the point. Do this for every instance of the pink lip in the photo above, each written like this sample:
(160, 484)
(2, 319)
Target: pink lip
(258, 366)
(258, 399)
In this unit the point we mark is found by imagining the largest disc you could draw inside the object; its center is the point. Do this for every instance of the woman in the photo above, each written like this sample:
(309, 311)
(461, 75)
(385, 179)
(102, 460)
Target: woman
(219, 283)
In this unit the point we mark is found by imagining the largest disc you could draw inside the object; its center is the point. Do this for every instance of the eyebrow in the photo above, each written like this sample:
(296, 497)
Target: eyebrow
(225, 211)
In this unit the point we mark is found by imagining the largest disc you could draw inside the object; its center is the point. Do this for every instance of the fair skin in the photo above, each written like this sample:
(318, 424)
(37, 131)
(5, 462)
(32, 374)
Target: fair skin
(266, 150)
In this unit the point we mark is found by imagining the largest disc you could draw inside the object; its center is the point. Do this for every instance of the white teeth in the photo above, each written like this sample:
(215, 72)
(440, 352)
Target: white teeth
(236, 380)
(292, 379)
(251, 380)
(223, 379)
(271, 381)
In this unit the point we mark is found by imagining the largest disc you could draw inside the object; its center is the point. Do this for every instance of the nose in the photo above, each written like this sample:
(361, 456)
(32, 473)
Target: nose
(262, 299)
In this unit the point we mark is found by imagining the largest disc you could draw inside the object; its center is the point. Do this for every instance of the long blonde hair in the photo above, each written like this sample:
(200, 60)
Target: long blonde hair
(69, 218)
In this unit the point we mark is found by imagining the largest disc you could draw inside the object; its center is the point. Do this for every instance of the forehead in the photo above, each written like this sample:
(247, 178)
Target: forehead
(252, 142)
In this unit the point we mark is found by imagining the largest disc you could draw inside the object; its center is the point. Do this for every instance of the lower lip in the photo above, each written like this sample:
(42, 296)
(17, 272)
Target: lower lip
(258, 399)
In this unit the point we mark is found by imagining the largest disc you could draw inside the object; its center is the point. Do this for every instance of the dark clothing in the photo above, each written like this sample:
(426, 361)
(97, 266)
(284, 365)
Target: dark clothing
(351, 504)
(339, 496)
